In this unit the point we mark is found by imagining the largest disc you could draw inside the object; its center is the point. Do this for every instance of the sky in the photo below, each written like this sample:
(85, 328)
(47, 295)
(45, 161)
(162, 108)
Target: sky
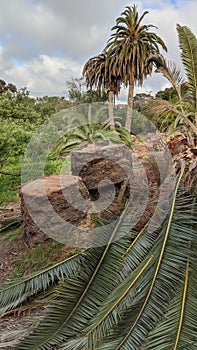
(44, 43)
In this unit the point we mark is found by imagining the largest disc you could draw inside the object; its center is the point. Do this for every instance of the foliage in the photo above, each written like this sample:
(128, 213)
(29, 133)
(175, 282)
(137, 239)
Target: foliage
(20, 116)
(77, 94)
(6, 87)
(46, 106)
(15, 292)
(14, 136)
(17, 105)
(140, 122)
(90, 134)
(169, 94)
(9, 185)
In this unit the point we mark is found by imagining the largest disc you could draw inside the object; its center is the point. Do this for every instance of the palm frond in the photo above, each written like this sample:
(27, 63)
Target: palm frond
(14, 293)
(159, 107)
(178, 325)
(105, 309)
(131, 281)
(188, 46)
(79, 298)
(171, 251)
(109, 312)
(169, 71)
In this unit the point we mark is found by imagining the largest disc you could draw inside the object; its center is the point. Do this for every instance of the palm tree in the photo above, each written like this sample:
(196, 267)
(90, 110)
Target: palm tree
(97, 75)
(186, 108)
(132, 44)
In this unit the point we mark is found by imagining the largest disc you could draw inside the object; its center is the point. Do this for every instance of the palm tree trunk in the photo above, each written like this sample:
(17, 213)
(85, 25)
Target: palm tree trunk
(196, 118)
(111, 108)
(130, 105)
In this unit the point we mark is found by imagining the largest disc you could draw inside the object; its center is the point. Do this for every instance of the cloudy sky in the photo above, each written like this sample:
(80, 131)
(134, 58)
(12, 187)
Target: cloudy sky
(43, 43)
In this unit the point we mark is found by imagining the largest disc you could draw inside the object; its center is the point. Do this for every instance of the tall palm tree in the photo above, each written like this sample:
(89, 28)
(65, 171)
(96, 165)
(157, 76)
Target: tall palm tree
(98, 75)
(132, 44)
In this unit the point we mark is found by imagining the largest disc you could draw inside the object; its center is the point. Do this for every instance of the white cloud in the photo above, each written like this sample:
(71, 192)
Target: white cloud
(46, 42)
(44, 75)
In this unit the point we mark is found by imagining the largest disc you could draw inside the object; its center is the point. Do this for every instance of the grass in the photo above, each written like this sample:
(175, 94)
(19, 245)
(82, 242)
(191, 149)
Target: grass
(26, 260)
(44, 254)
(14, 235)
(36, 258)
(9, 185)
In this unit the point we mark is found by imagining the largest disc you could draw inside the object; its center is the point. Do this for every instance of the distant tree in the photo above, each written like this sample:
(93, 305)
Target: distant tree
(77, 92)
(47, 105)
(91, 96)
(5, 87)
(75, 88)
(169, 94)
(17, 105)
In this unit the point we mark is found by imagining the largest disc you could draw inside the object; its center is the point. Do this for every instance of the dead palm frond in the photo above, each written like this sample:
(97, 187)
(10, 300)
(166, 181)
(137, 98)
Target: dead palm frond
(186, 108)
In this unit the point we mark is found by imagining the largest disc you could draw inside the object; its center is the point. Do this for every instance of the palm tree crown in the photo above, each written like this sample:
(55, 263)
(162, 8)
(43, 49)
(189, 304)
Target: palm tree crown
(101, 71)
(132, 44)
(97, 75)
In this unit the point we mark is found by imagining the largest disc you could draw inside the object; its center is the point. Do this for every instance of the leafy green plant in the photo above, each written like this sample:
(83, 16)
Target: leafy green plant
(90, 133)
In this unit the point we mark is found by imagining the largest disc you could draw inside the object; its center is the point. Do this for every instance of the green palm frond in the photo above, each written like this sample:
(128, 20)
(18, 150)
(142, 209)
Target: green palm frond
(131, 280)
(171, 251)
(79, 298)
(14, 293)
(188, 45)
(117, 135)
(180, 317)
(109, 313)
(90, 133)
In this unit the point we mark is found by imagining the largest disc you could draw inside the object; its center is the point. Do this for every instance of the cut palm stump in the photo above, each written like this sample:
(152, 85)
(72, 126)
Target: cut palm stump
(106, 170)
(96, 163)
(48, 202)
